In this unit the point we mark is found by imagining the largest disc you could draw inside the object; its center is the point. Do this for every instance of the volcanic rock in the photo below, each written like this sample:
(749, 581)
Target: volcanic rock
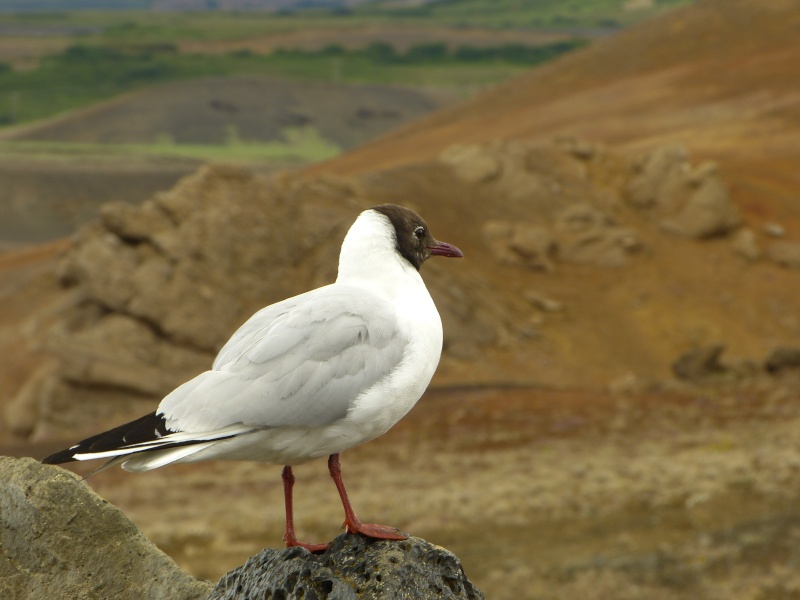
(354, 567)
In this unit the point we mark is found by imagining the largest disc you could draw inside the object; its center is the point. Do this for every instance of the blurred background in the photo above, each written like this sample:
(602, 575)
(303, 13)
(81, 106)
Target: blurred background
(616, 411)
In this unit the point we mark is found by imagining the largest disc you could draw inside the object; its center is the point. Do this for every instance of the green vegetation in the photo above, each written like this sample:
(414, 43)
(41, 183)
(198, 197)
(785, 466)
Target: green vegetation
(559, 14)
(84, 74)
(301, 145)
(423, 55)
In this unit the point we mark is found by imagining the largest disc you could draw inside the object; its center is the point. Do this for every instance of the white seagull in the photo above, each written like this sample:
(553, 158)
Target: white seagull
(307, 377)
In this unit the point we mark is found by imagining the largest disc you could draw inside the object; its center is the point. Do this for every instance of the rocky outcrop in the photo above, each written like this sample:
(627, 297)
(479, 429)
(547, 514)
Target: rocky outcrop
(354, 567)
(566, 186)
(158, 288)
(576, 191)
(162, 262)
(61, 540)
(525, 245)
(587, 235)
(685, 200)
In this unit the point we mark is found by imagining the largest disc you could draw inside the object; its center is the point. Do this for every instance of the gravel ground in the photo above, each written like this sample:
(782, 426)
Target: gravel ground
(542, 494)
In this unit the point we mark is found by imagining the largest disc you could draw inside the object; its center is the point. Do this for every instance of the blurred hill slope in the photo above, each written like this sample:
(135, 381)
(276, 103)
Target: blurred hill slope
(719, 76)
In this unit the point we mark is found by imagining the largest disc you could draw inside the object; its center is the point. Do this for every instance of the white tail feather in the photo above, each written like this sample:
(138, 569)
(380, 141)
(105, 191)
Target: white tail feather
(158, 458)
(168, 440)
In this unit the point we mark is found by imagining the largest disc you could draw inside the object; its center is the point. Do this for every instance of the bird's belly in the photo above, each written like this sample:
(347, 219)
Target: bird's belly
(290, 445)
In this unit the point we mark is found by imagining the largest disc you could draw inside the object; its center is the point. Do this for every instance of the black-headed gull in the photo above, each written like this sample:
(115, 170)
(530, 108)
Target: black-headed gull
(310, 376)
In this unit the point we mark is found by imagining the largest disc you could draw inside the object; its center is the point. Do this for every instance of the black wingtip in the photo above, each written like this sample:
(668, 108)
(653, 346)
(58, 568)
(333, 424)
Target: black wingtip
(60, 457)
(147, 428)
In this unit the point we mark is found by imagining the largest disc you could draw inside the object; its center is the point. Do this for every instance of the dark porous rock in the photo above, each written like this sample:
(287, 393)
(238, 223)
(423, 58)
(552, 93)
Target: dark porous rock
(59, 540)
(353, 567)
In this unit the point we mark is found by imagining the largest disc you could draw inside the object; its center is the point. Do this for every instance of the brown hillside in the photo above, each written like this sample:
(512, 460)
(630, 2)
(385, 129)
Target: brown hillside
(719, 77)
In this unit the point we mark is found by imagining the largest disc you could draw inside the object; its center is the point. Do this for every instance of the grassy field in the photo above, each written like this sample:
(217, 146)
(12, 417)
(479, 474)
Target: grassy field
(54, 61)
(304, 144)
(85, 73)
(57, 61)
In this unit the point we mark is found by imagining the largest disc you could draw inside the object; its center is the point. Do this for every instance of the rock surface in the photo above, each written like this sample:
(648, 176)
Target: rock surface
(687, 201)
(58, 539)
(61, 540)
(354, 567)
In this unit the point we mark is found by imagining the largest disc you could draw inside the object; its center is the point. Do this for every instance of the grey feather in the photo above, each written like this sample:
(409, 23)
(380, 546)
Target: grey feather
(301, 362)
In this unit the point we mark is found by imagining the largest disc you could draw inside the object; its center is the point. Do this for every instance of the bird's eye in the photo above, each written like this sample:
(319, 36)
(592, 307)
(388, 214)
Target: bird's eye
(419, 232)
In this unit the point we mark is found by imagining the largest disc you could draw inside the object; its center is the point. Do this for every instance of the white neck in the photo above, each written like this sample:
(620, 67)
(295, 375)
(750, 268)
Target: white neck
(369, 257)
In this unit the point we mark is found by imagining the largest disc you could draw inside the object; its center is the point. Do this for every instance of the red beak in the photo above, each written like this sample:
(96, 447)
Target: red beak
(445, 249)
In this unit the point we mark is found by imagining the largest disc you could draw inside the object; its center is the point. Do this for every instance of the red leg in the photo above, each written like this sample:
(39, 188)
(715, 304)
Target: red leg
(351, 522)
(289, 537)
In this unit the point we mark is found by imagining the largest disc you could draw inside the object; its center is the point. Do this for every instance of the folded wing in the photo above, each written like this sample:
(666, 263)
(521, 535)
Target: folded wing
(301, 362)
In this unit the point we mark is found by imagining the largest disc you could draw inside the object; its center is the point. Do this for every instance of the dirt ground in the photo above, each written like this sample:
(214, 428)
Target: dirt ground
(542, 494)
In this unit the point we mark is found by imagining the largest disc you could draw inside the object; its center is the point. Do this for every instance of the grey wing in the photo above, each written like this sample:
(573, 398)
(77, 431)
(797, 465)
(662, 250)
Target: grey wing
(257, 325)
(298, 363)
